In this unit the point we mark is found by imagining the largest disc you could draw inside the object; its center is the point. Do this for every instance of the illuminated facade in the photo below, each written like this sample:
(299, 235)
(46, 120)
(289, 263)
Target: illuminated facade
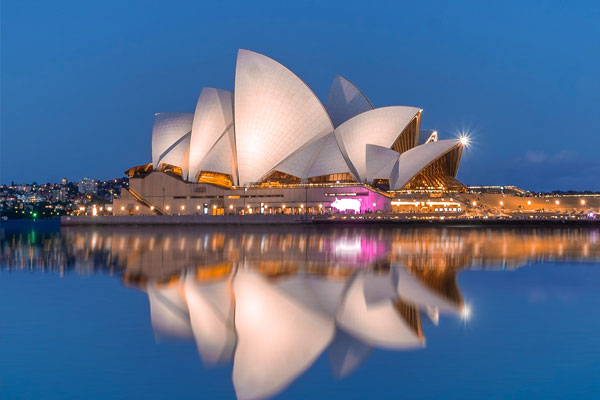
(272, 132)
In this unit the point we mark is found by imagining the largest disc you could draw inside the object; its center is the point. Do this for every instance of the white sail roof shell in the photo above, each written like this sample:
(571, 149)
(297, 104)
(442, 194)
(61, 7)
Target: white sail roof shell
(212, 118)
(316, 158)
(299, 162)
(380, 127)
(220, 157)
(345, 101)
(427, 135)
(168, 131)
(380, 162)
(275, 114)
(414, 160)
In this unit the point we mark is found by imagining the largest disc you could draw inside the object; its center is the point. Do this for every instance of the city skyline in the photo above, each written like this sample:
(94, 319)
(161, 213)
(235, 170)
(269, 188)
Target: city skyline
(95, 86)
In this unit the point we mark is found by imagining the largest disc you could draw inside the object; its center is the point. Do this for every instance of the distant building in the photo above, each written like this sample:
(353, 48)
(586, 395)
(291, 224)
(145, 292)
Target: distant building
(64, 181)
(88, 186)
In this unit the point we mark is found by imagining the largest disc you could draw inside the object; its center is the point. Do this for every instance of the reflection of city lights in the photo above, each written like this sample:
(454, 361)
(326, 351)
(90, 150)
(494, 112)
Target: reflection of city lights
(347, 246)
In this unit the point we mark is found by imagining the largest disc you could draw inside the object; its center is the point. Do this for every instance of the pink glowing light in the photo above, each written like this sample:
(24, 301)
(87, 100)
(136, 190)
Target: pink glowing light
(347, 204)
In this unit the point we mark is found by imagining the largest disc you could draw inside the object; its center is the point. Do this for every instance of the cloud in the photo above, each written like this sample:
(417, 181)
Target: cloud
(540, 171)
(535, 157)
(565, 155)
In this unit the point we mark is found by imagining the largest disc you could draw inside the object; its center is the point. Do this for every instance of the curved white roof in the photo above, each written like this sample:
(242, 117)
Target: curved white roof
(380, 127)
(169, 130)
(275, 114)
(299, 162)
(278, 337)
(380, 162)
(414, 160)
(345, 100)
(379, 325)
(220, 157)
(212, 118)
(329, 160)
(427, 135)
(316, 158)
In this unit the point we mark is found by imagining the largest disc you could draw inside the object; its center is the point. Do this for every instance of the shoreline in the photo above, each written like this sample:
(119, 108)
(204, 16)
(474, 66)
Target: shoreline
(291, 220)
(296, 220)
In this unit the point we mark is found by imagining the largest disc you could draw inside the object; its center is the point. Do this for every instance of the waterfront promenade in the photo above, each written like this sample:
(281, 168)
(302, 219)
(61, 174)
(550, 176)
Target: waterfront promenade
(279, 219)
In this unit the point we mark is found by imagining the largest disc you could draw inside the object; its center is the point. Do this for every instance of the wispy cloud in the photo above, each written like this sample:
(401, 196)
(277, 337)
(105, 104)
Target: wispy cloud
(538, 170)
(535, 156)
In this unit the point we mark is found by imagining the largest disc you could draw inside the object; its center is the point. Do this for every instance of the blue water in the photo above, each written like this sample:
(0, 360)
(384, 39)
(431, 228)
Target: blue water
(86, 332)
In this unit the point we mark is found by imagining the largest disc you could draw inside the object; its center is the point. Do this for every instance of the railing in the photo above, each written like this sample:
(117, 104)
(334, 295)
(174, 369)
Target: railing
(144, 202)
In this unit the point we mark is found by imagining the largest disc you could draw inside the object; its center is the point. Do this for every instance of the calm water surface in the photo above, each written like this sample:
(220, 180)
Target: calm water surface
(299, 312)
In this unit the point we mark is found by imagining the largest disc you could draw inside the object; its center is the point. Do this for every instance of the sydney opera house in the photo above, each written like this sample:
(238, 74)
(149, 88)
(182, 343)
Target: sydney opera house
(271, 146)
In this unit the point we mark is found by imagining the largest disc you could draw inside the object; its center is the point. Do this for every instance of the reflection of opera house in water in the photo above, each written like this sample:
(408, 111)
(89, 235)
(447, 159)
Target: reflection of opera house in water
(274, 327)
(271, 301)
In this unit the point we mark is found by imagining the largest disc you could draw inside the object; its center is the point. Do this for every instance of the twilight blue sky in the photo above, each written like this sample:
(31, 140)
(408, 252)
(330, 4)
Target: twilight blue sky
(81, 80)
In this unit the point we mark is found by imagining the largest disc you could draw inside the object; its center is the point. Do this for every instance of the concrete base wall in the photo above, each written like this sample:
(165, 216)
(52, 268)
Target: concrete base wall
(161, 193)
(182, 220)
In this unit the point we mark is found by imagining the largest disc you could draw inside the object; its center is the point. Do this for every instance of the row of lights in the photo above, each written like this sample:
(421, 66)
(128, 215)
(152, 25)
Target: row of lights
(529, 202)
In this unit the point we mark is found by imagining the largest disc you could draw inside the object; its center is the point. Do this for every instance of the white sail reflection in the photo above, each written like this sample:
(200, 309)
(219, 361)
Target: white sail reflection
(346, 353)
(168, 311)
(378, 288)
(412, 289)
(328, 293)
(380, 325)
(211, 316)
(278, 338)
(273, 320)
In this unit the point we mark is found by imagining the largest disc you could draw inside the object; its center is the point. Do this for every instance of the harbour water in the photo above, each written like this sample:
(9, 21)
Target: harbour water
(299, 312)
